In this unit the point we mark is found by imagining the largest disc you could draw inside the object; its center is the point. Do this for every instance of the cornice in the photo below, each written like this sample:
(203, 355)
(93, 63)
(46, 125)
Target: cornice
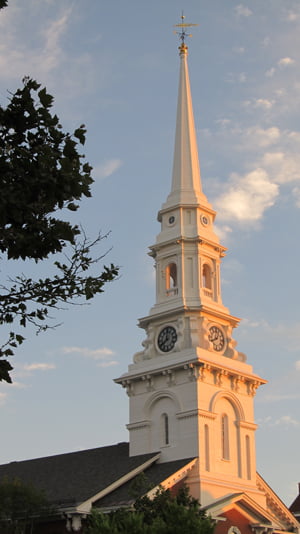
(202, 310)
(165, 370)
(205, 207)
(184, 239)
(220, 374)
(276, 506)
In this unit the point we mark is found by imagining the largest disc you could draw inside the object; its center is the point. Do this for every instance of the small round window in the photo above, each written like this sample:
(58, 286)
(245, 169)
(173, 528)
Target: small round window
(171, 219)
(204, 220)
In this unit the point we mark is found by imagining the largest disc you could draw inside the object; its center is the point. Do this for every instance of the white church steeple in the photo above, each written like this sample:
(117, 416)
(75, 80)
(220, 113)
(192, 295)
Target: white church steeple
(186, 180)
(190, 390)
(187, 251)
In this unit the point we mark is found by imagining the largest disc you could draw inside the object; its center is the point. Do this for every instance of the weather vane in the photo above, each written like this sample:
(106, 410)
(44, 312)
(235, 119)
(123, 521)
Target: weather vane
(183, 25)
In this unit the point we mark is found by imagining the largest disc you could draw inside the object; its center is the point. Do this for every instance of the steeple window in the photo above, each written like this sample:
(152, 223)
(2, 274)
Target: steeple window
(207, 280)
(171, 279)
(248, 457)
(225, 436)
(207, 447)
(165, 429)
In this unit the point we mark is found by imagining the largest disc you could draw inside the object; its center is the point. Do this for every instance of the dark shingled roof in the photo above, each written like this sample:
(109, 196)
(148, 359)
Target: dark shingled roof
(295, 506)
(154, 475)
(72, 478)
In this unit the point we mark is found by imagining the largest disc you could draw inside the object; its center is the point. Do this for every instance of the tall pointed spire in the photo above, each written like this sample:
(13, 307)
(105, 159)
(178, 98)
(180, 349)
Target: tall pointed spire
(186, 179)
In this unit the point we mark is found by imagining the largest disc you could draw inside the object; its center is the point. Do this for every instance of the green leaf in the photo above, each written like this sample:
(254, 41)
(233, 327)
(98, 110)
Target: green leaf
(80, 134)
(45, 99)
(5, 368)
(73, 207)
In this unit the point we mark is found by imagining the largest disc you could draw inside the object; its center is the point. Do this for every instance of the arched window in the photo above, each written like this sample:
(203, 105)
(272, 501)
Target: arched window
(206, 442)
(248, 458)
(207, 280)
(171, 279)
(206, 276)
(165, 429)
(225, 437)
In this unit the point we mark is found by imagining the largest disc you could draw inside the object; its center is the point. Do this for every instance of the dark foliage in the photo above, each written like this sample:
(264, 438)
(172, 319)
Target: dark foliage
(42, 176)
(41, 172)
(163, 514)
(21, 507)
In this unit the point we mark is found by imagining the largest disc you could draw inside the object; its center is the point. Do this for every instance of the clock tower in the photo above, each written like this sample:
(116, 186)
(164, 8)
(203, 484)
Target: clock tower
(190, 389)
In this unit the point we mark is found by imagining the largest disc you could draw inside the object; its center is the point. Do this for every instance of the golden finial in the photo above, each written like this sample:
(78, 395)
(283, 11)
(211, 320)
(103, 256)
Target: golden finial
(183, 34)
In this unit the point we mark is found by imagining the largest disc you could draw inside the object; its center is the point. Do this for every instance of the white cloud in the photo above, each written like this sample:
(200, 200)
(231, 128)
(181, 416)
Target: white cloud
(18, 59)
(284, 166)
(280, 92)
(39, 367)
(293, 136)
(286, 61)
(107, 364)
(248, 323)
(242, 11)
(235, 77)
(95, 354)
(276, 153)
(278, 397)
(252, 138)
(270, 73)
(264, 420)
(247, 197)
(292, 16)
(282, 63)
(266, 41)
(223, 232)
(223, 122)
(286, 420)
(107, 168)
(259, 103)
(257, 137)
(268, 136)
(52, 53)
(290, 332)
(263, 103)
(296, 195)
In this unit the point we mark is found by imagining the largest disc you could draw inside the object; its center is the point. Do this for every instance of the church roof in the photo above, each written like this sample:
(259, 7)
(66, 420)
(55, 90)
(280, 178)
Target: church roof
(258, 515)
(74, 477)
(71, 479)
(295, 506)
(154, 476)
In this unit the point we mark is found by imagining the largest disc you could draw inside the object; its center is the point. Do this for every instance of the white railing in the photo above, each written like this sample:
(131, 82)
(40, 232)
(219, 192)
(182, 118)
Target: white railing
(172, 291)
(207, 292)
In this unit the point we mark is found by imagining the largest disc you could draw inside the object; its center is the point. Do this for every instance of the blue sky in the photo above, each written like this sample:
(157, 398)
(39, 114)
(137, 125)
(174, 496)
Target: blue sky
(114, 67)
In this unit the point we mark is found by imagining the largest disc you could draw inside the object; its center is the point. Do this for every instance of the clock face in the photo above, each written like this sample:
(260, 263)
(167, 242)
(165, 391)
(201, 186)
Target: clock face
(167, 338)
(216, 336)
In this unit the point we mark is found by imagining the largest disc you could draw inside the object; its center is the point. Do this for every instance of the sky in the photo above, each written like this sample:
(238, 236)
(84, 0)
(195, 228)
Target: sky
(114, 67)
